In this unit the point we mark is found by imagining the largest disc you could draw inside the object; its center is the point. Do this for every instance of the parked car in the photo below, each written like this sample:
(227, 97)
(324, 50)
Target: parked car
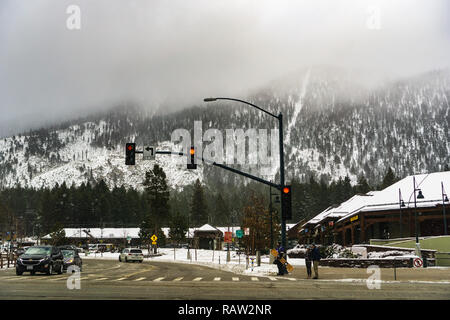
(68, 247)
(71, 258)
(20, 251)
(101, 247)
(46, 259)
(130, 254)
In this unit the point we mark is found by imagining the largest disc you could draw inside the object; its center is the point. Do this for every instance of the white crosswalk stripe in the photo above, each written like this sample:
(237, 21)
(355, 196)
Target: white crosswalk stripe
(178, 279)
(100, 279)
(120, 279)
(255, 279)
(217, 279)
(10, 278)
(159, 279)
(17, 278)
(59, 278)
(292, 279)
(235, 278)
(272, 278)
(140, 279)
(197, 279)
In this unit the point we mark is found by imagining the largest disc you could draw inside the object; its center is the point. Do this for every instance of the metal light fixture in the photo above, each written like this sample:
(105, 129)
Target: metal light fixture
(402, 204)
(444, 200)
(419, 196)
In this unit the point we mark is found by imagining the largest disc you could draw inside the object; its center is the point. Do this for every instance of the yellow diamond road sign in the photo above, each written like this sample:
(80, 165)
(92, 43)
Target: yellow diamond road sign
(154, 238)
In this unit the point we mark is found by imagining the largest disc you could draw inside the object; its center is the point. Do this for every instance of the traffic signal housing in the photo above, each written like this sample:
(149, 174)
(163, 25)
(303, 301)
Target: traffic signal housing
(286, 202)
(130, 154)
(191, 164)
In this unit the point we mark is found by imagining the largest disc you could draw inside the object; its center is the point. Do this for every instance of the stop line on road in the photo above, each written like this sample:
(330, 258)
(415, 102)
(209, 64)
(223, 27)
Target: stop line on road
(140, 279)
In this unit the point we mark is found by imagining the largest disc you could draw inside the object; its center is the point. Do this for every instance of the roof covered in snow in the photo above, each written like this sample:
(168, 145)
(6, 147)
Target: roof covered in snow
(388, 198)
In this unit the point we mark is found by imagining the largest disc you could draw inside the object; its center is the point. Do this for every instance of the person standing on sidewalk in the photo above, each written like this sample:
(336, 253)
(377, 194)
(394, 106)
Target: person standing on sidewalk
(308, 261)
(281, 267)
(315, 257)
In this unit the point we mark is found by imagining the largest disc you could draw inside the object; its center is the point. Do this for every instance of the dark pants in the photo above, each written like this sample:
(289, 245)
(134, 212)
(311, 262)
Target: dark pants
(308, 267)
(281, 267)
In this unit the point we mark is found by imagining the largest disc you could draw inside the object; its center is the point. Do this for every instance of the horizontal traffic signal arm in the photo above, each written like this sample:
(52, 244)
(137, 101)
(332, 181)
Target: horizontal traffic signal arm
(269, 183)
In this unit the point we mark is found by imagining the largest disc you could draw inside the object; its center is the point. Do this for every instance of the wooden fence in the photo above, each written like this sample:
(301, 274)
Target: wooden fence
(7, 259)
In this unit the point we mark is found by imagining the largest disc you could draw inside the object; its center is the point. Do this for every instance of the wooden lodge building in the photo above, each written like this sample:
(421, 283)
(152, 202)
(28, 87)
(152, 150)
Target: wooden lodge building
(385, 214)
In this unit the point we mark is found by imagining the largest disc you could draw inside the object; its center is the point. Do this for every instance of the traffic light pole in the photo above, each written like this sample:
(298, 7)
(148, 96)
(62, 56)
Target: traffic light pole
(283, 214)
(281, 185)
(269, 183)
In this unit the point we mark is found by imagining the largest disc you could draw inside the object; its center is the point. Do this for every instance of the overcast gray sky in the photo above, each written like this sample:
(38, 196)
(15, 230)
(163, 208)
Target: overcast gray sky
(178, 51)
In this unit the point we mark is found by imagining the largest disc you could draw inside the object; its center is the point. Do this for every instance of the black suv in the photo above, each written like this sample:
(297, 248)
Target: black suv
(46, 259)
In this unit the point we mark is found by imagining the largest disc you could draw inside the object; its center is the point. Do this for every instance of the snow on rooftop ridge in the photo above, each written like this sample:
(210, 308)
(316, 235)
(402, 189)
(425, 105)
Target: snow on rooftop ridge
(429, 183)
(207, 227)
(388, 198)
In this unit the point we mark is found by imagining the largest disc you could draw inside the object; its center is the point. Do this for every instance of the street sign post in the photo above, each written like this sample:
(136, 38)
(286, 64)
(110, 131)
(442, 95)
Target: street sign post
(239, 234)
(149, 153)
(228, 237)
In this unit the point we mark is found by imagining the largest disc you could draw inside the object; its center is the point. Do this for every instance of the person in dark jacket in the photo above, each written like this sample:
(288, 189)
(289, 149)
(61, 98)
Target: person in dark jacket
(308, 261)
(281, 268)
(315, 257)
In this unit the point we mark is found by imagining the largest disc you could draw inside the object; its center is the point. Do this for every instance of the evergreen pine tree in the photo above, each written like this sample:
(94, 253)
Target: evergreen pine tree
(157, 194)
(199, 212)
(362, 186)
(178, 225)
(388, 179)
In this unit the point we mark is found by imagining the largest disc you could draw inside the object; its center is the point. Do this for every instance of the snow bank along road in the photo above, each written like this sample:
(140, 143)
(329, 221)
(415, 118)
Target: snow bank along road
(108, 279)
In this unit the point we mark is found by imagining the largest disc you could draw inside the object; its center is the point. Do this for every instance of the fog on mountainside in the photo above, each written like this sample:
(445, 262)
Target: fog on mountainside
(169, 55)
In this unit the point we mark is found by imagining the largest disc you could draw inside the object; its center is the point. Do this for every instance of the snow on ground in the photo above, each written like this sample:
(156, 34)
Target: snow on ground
(211, 258)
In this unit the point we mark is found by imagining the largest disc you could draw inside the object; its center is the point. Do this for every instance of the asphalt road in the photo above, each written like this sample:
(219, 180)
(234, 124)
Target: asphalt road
(107, 279)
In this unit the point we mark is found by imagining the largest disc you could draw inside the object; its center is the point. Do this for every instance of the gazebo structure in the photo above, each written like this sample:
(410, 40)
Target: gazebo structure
(394, 212)
(206, 236)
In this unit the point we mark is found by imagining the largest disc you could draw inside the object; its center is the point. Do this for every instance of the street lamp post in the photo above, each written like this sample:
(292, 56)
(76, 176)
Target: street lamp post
(401, 204)
(277, 200)
(444, 200)
(419, 196)
(280, 133)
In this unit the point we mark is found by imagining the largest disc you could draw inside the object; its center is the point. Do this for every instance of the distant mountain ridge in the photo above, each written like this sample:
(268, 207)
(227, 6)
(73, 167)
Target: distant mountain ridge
(332, 128)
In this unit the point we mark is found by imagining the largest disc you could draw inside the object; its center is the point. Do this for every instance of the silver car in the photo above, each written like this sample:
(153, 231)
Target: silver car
(130, 254)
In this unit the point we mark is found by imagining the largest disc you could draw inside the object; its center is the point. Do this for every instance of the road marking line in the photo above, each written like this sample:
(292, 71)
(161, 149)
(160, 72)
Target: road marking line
(178, 279)
(197, 279)
(159, 279)
(255, 279)
(140, 279)
(18, 278)
(217, 279)
(56, 279)
(272, 278)
(9, 278)
(292, 279)
(100, 279)
(120, 279)
(235, 278)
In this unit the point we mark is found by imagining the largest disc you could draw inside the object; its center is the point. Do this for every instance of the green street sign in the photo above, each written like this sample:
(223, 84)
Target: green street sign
(239, 233)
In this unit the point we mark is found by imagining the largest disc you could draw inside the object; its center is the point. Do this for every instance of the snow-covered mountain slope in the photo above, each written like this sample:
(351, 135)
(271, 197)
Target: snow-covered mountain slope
(333, 126)
(76, 161)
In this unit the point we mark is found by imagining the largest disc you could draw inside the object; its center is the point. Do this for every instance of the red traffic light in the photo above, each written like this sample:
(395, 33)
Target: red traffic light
(192, 151)
(130, 147)
(286, 190)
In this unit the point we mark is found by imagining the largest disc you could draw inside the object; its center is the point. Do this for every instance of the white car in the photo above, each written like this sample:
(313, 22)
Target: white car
(131, 254)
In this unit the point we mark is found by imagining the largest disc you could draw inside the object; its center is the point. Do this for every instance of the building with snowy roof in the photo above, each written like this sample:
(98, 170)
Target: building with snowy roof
(386, 214)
